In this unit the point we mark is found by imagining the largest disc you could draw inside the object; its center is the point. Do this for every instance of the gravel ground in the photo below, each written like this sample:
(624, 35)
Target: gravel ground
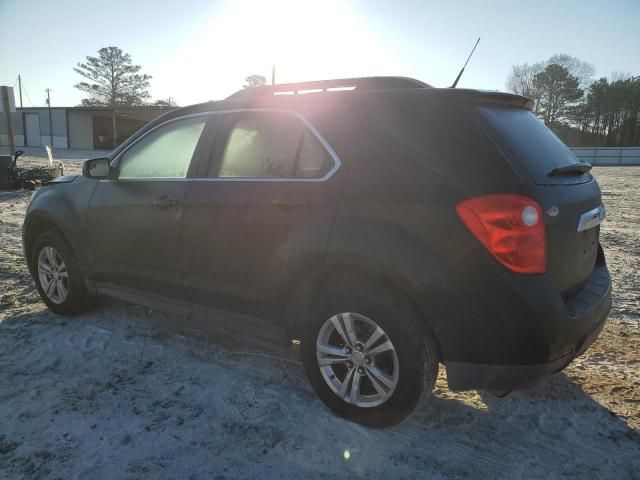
(124, 392)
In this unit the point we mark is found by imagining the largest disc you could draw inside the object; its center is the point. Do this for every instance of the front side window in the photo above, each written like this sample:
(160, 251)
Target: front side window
(272, 145)
(164, 153)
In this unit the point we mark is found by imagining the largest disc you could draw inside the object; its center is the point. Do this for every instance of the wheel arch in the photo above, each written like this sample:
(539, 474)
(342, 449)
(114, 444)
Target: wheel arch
(314, 283)
(38, 223)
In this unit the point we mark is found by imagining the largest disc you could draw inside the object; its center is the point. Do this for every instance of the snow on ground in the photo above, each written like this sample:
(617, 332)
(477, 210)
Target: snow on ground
(124, 392)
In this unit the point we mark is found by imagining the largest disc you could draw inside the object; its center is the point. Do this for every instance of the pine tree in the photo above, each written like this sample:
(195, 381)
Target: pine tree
(114, 80)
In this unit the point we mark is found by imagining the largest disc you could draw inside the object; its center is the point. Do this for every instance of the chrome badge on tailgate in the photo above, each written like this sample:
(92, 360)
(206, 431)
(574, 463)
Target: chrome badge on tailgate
(591, 218)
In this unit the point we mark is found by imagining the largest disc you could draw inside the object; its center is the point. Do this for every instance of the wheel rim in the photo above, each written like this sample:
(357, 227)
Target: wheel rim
(53, 275)
(357, 360)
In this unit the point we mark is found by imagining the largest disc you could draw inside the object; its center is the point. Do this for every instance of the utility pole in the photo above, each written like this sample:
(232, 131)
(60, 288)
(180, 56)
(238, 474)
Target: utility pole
(6, 106)
(169, 101)
(20, 89)
(273, 74)
(48, 90)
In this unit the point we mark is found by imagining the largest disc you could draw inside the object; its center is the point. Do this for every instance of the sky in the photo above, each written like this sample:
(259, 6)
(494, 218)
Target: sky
(199, 50)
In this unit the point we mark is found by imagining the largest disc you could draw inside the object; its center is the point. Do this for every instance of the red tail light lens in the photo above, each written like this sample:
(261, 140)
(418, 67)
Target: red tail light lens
(511, 229)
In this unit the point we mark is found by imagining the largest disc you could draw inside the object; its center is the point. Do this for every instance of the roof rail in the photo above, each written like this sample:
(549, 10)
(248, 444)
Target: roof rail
(341, 84)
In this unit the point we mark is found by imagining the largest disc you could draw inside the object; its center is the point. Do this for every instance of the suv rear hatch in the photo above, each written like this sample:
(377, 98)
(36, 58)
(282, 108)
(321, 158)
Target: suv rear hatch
(560, 183)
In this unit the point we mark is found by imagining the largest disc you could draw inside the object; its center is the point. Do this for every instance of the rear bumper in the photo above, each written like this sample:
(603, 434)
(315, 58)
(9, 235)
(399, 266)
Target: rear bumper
(467, 376)
(557, 337)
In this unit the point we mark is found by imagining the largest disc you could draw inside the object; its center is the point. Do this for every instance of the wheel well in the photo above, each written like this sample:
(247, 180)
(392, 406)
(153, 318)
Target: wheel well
(37, 227)
(302, 293)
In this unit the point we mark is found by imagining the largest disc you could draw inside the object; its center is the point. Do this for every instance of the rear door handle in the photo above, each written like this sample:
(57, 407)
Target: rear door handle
(165, 202)
(290, 201)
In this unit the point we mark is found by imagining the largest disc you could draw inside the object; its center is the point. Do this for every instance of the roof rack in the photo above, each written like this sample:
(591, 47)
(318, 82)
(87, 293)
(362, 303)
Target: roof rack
(341, 84)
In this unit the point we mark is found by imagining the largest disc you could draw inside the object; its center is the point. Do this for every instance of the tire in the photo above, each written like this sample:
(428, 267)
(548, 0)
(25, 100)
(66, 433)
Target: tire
(52, 244)
(416, 354)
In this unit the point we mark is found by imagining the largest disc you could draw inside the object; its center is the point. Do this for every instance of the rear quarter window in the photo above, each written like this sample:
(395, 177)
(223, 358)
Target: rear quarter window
(415, 148)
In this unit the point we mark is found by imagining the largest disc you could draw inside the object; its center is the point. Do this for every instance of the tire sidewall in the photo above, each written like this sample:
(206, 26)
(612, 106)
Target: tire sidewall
(401, 325)
(75, 299)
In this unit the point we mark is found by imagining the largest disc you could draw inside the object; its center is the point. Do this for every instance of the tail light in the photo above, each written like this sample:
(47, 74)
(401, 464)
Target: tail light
(511, 229)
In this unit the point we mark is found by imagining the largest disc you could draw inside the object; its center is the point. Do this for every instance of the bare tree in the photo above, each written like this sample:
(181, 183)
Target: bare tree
(113, 81)
(620, 76)
(520, 79)
(255, 81)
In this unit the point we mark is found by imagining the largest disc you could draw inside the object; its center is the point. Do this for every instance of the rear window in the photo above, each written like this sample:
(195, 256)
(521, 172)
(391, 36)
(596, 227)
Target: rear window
(532, 144)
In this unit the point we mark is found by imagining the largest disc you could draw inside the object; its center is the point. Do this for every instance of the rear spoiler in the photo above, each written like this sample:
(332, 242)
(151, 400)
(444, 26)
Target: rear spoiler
(488, 96)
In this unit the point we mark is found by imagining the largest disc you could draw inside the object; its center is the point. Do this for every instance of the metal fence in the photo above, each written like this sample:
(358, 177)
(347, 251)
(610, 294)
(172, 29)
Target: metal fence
(608, 155)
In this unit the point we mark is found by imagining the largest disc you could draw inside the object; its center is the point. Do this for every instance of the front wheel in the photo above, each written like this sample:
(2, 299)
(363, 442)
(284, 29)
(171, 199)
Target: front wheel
(57, 275)
(368, 357)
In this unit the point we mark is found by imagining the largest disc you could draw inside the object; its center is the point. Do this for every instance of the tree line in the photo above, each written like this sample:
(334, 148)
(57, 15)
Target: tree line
(583, 112)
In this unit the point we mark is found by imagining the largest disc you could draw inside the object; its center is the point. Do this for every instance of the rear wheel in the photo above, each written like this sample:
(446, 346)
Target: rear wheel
(368, 356)
(57, 275)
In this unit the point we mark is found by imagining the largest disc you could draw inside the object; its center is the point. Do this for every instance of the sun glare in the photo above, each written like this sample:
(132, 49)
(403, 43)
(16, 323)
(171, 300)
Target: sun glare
(305, 40)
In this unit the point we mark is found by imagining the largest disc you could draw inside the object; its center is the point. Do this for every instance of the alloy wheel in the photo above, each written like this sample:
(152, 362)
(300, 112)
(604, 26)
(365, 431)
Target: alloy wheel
(53, 275)
(357, 359)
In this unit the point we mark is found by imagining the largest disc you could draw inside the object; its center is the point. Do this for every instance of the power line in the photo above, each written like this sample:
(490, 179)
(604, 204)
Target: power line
(27, 94)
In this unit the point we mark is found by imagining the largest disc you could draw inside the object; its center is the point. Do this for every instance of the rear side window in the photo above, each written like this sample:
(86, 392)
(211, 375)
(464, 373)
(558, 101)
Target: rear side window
(271, 145)
(164, 153)
(247, 149)
(531, 142)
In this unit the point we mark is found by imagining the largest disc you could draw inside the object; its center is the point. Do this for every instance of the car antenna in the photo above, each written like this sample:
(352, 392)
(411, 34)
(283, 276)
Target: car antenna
(465, 64)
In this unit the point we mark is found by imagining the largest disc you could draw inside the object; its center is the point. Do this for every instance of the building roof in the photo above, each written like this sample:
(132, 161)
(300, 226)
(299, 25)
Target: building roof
(145, 108)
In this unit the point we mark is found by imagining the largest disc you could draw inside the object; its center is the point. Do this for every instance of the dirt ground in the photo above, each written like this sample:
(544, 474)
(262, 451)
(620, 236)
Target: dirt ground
(124, 392)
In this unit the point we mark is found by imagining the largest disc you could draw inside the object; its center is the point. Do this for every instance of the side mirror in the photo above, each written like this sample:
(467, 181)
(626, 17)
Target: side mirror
(97, 168)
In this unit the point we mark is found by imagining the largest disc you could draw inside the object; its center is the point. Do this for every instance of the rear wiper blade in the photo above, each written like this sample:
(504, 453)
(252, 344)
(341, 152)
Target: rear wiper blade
(582, 167)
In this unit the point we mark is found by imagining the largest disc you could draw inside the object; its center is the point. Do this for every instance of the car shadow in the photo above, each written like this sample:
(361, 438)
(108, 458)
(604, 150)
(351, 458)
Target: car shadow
(553, 429)
(116, 374)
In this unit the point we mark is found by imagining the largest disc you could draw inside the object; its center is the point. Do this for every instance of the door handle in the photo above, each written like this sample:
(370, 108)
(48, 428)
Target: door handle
(165, 202)
(290, 201)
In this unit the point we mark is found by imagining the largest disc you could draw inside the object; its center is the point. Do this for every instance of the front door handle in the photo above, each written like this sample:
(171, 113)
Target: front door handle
(290, 201)
(165, 202)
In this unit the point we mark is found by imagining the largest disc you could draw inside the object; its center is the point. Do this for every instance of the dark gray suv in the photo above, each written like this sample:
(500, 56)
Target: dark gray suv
(387, 225)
